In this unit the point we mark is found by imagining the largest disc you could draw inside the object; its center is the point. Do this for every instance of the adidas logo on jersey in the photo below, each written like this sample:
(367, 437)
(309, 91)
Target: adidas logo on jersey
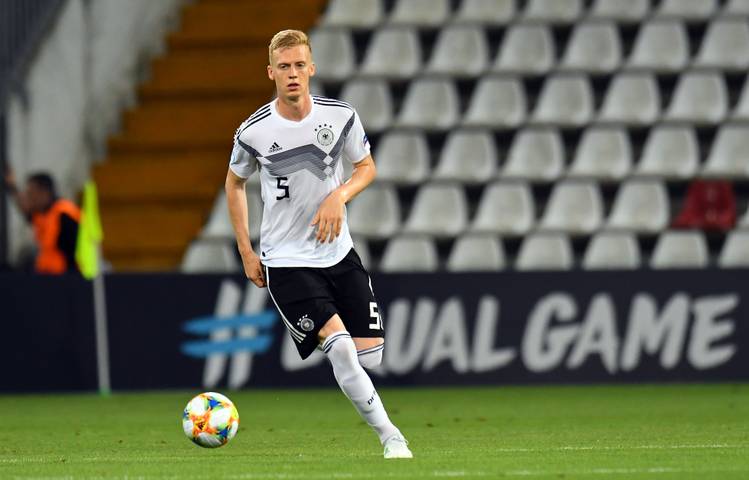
(274, 148)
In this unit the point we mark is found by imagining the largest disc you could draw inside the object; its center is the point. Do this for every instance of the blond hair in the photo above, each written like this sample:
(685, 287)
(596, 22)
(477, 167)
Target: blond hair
(286, 39)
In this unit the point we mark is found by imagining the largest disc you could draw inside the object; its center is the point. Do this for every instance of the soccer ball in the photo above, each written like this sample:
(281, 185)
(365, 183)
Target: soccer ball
(210, 420)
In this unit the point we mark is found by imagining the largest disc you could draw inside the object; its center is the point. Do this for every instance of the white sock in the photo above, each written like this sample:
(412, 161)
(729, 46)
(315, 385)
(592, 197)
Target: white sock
(357, 385)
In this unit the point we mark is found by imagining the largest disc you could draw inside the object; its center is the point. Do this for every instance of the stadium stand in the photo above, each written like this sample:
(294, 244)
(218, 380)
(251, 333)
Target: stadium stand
(527, 134)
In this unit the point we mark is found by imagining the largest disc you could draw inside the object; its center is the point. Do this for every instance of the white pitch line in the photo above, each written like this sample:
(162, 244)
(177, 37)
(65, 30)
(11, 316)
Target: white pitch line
(603, 448)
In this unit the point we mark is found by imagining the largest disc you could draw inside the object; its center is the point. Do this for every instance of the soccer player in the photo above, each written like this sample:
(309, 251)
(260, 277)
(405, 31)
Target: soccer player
(297, 143)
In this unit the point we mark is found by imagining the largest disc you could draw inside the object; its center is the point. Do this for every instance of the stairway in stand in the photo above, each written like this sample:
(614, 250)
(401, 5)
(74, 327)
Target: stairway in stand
(164, 169)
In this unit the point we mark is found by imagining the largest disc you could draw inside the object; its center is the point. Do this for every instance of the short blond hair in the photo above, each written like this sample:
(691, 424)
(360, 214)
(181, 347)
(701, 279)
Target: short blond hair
(286, 39)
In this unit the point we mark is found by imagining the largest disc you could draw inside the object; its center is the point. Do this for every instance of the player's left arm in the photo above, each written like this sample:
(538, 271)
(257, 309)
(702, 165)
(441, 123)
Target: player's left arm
(329, 216)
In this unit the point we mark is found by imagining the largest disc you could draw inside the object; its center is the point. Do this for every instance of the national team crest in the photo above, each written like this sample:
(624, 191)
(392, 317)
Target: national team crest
(325, 135)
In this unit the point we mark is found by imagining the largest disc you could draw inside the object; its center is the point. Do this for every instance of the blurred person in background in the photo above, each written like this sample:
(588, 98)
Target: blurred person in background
(54, 221)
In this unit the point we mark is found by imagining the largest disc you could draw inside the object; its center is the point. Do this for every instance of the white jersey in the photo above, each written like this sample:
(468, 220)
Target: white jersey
(299, 164)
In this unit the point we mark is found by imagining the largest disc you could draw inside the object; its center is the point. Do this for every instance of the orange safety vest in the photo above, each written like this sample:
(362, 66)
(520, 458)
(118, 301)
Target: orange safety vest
(51, 259)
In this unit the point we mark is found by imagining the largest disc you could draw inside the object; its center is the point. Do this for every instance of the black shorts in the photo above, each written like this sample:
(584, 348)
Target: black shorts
(307, 297)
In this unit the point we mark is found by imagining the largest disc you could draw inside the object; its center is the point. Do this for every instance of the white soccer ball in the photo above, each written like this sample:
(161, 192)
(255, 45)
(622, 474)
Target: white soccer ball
(210, 420)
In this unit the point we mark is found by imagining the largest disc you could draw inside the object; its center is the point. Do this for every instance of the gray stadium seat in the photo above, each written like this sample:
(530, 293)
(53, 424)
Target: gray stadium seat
(736, 7)
(372, 100)
(422, 13)
(687, 9)
(526, 49)
(632, 98)
(490, 12)
(661, 46)
(334, 53)
(744, 220)
(680, 249)
(440, 210)
(353, 13)
(612, 251)
(631, 11)
(603, 153)
(431, 104)
(729, 155)
(460, 50)
(536, 154)
(557, 11)
(700, 97)
(474, 253)
(410, 254)
(506, 208)
(497, 102)
(375, 212)
(670, 151)
(741, 112)
(574, 207)
(393, 53)
(402, 157)
(219, 224)
(206, 256)
(641, 206)
(469, 156)
(735, 252)
(565, 100)
(725, 45)
(594, 47)
(545, 251)
(362, 248)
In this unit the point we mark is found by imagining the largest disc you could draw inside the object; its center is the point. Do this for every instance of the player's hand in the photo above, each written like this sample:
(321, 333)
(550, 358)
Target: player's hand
(253, 269)
(329, 218)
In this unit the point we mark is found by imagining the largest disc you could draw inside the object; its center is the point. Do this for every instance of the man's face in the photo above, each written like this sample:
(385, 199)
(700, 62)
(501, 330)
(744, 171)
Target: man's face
(291, 69)
(38, 197)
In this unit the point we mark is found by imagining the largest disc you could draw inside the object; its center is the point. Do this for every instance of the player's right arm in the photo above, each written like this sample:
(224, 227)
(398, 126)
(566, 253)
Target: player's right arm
(237, 201)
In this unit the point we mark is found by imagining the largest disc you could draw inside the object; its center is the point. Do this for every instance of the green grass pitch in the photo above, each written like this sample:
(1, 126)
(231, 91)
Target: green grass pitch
(607, 432)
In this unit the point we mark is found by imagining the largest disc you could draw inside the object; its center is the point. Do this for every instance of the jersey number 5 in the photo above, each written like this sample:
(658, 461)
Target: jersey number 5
(377, 325)
(282, 183)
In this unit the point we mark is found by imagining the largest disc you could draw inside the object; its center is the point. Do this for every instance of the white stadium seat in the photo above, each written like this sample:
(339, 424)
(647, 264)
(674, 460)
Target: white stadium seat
(612, 251)
(545, 251)
(535, 154)
(469, 156)
(594, 47)
(461, 50)
(556, 11)
(362, 248)
(410, 254)
(353, 13)
(506, 208)
(422, 13)
(440, 210)
(497, 102)
(742, 109)
(680, 249)
(632, 98)
(526, 49)
(631, 11)
(392, 53)
(603, 153)
(375, 212)
(725, 46)
(334, 53)
(574, 207)
(700, 97)
(402, 157)
(640, 206)
(206, 256)
(744, 220)
(735, 252)
(372, 100)
(729, 155)
(736, 7)
(474, 253)
(219, 224)
(565, 100)
(431, 104)
(670, 151)
(687, 9)
(490, 12)
(661, 46)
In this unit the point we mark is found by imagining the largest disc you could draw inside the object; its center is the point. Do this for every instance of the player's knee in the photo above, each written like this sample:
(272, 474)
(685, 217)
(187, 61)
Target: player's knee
(371, 357)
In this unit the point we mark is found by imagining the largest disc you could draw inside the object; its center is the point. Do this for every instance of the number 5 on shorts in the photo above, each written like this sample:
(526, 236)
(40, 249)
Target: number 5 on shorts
(377, 325)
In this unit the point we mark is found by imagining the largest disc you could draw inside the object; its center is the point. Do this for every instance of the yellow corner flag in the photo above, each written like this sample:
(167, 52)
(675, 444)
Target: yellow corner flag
(89, 233)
